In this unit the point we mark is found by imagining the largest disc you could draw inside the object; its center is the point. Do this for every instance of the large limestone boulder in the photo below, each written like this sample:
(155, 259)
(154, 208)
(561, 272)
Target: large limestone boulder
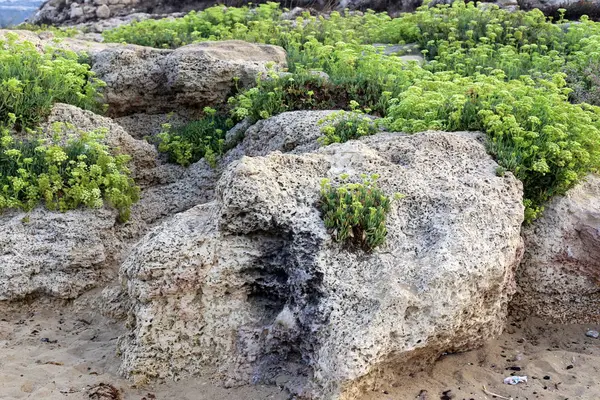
(559, 278)
(58, 255)
(143, 79)
(251, 287)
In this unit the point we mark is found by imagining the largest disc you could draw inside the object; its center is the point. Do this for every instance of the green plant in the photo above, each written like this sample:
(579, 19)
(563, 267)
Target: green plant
(58, 32)
(32, 81)
(486, 69)
(63, 172)
(341, 126)
(355, 212)
(533, 131)
(187, 144)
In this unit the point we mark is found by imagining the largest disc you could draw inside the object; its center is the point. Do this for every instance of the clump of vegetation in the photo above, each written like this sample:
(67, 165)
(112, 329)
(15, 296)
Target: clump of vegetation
(58, 32)
(63, 172)
(533, 131)
(356, 212)
(341, 126)
(31, 82)
(204, 138)
(517, 76)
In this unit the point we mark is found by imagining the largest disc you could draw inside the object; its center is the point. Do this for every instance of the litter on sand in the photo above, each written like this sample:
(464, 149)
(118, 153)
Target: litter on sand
(513, 380)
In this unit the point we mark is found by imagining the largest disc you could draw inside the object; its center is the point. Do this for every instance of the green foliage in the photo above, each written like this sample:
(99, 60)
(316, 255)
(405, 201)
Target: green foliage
(187, 144)
(533, 131)
(355, 212)
(341, 126)
(512, 75)
(31, 82)
(63, 172)
(58, 32)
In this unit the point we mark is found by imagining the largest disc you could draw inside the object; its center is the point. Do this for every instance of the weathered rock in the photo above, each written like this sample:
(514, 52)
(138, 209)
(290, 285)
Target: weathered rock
(251, 286)
(559, 278)
(143, 79)
(574, 8)
(59, 255)
(291, 132)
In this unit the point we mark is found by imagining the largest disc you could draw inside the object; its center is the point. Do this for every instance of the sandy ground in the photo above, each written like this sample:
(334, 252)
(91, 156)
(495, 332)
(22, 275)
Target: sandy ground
(45, 354)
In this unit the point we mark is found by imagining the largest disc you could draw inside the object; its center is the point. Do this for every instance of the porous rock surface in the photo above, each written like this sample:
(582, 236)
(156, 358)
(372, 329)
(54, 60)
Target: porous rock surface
(52, 254)
(144, 79)
(559, 278)
(251, 287)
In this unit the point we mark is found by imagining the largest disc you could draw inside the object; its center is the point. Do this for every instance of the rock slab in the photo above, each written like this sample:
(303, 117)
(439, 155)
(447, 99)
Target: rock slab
(559, 279)
(251, 287)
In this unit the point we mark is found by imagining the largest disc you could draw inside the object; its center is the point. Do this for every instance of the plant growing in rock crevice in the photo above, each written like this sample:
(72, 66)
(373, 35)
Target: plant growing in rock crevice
(187, 144)
(32, 82)
(64, 172)
(355, 213)
(341, 126)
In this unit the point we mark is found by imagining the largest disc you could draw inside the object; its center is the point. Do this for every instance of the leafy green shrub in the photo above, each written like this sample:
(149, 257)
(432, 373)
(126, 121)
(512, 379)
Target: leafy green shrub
(534, 132)
(276, 94)
(59, 32)
(31, 82)
(63, 173)
(487, 69)
(355, 212)
(187, 144)
(341, 126)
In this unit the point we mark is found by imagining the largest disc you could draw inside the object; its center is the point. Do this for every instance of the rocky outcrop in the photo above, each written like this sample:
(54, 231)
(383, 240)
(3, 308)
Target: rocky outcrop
(559, 279)
(573, 8)
(58, 255)
(70, 12)
(143, 79)
(251, 287)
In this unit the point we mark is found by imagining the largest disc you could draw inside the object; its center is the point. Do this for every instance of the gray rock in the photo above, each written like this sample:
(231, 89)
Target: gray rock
(103, 12)
(52, 254)
(558, 279)
(143, 79)
(251, 286)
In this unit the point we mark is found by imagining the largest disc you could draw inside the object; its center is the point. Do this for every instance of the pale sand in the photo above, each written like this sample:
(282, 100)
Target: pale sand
(84, 356)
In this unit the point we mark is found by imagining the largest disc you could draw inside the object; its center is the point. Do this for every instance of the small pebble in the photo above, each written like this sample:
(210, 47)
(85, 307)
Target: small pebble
(569, 367)
(547, 377)
(592, 334)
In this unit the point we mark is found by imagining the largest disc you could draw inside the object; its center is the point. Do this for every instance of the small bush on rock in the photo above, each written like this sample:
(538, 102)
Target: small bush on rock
(31, 82)
(187, 144)
(339, 127)
(63, 172)
(355, 212)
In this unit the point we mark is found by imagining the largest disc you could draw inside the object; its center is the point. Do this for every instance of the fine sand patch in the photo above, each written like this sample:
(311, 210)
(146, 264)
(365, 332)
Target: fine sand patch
(60, 353)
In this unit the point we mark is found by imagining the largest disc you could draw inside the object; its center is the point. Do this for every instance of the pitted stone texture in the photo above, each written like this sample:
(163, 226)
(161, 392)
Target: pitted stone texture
(143, 79)
(559, 278)
(290, 132)
(251, 286)
(58, 255)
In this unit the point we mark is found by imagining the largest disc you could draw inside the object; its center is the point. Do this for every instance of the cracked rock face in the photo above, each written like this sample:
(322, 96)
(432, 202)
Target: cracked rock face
(148, 80)
(559, 278)
(57, 255)
(250, 287)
